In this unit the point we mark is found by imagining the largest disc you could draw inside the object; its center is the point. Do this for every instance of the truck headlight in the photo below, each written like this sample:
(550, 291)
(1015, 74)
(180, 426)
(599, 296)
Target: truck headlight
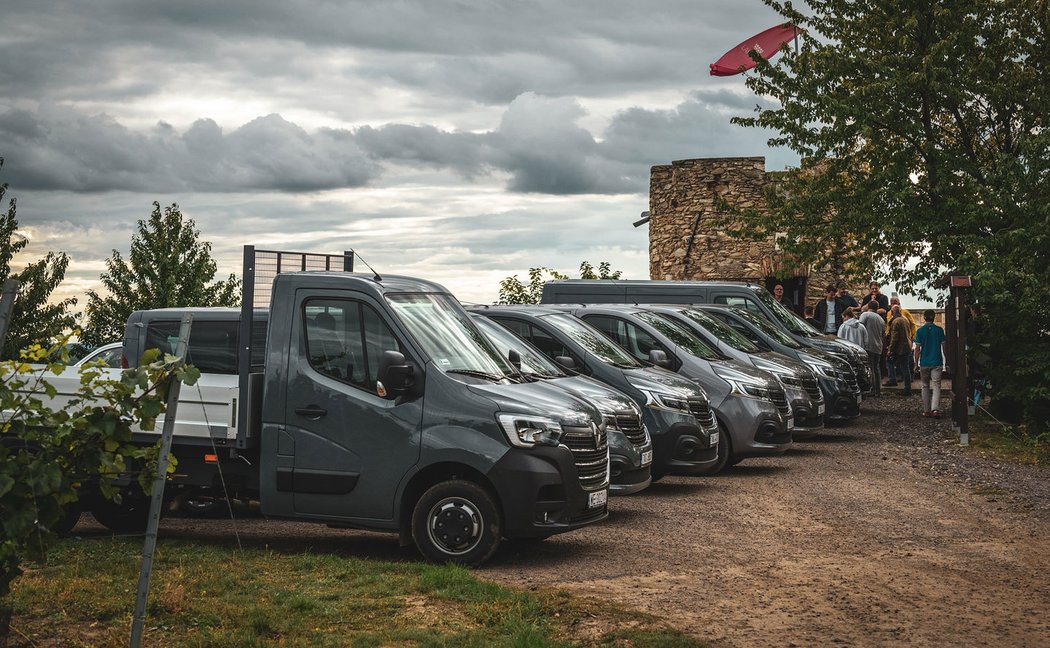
(524, 431)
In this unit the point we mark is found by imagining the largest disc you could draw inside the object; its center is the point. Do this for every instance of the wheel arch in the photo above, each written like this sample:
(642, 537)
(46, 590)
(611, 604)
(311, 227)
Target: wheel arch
(433, 474)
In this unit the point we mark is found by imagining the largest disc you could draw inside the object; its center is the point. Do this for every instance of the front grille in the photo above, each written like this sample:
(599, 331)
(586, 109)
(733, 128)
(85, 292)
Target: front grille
(809, 383)
(701, 410)
(860, 369)
(631, 425)
(851, 381)
(779, 398)
(590, 453)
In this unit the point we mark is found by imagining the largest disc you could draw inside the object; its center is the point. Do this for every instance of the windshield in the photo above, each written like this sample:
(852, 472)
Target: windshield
(808, 329)
(683, 338)
(780, 312)
(768, 328)
(533, 362)
(722, 331)
(446, 334)
(592, 340)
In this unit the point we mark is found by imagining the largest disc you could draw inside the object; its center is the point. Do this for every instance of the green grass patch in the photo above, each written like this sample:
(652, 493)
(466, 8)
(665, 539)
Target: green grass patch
(1009, 443)
(207, 595)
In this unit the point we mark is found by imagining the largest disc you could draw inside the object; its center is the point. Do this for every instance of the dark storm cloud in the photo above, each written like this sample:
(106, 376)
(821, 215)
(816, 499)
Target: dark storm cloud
(65, 150)
(487, 52)
(539, 144)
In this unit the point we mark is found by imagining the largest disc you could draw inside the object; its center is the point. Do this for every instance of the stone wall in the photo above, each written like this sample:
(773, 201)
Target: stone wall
(686, 242)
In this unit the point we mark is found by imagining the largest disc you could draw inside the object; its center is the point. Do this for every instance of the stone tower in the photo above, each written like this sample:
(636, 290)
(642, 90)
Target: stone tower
(686, 242)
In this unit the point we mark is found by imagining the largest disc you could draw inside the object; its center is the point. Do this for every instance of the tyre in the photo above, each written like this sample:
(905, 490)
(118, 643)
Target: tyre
(68, 520)
(456, 522)
(725, 452)
(129, 516)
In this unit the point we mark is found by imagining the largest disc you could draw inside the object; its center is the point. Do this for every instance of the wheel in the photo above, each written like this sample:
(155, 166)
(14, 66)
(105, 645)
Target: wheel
(456, 522)
(725, 452)
(129, 516)
(68, 520)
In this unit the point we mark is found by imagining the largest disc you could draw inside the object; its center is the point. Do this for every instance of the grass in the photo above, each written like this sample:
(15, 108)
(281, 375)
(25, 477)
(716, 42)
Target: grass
(1009, 443)
(206, 595)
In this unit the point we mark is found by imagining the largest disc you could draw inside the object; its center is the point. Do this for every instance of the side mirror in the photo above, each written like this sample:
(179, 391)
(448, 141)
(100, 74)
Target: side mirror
(659, 358)
(515, 359)
(395, 375)
(566, 362)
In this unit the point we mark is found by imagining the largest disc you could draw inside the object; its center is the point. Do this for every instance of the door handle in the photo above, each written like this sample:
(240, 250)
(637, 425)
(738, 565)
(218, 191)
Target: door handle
(311, 412)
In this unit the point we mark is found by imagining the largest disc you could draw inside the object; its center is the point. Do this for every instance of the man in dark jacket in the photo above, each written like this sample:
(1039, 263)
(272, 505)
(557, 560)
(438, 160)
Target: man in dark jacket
(900, 346)
(828, 312)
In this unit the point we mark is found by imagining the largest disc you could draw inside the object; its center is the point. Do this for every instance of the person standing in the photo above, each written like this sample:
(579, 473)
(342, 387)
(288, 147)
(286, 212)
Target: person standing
(778, 294)
(900, 346)
(873, 293)
(809, 318)
(828, 312)
(846, 298)
(852, 330)
(895, 300)
(929, 355)
(875, 327)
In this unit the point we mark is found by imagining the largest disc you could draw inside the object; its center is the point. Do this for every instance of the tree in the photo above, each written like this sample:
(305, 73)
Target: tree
(51, 453)
(923, 132)
(35, 318)
(514, 291)
(168, 266)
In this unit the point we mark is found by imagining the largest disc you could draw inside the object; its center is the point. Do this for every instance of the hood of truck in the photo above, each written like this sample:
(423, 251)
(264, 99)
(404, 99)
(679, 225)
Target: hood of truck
(540, 398)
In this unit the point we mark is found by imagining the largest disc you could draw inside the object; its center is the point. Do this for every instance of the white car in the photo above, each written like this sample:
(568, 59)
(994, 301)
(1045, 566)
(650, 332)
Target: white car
(110, 353)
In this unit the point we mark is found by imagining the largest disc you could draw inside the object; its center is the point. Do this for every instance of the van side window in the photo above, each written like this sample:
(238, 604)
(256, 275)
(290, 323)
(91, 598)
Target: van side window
(521, 329)
(615, 329)
(740, 301)
(212, 347)
(345, 339)
(547, 343)
(628, 336)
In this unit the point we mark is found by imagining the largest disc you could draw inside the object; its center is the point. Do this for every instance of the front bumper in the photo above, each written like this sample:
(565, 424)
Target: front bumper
(627, 473)
(755, 426)
(540, 493)
(843, 404)
(680, 446)
(808, 414)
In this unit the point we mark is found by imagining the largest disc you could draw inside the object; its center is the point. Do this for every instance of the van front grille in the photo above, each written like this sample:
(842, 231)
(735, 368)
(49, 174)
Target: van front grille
(701, 410)
(590, 451)
(632, 427)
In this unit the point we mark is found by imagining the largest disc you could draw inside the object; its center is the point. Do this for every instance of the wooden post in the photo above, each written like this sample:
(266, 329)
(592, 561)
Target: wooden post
(157, 501)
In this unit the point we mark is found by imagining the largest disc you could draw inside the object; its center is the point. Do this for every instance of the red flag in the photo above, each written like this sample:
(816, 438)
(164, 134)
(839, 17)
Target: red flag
(767, 44)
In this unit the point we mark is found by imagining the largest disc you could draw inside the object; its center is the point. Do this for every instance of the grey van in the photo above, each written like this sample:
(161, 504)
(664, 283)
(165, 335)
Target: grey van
(746, 295)
(675, 410)
(751, 406)
(630, 447)
(836, 378)
(800, 383)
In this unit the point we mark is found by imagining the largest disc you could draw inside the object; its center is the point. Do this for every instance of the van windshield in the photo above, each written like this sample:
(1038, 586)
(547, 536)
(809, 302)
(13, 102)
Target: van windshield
(780, 312)
(593, 340)
(533, 362)
(768, 328)
(721, 331)
(681, 336)
(444, 331)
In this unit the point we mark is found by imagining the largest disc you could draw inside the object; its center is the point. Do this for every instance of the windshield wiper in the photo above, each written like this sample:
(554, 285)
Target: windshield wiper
(478, 374)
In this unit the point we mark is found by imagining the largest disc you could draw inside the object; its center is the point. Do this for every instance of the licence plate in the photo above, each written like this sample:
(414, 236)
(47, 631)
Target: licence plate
(647, 457)
(712, 439)
(820, 409)
(598, 498)
(791, 422)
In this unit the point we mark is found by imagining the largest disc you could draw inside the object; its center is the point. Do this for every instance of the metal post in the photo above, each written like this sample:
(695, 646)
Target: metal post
(244, 343)
(960, 380)
(158, 490)
(7, 304)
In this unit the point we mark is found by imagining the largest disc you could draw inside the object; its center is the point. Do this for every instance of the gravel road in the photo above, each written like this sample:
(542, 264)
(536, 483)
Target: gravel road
(875, 533)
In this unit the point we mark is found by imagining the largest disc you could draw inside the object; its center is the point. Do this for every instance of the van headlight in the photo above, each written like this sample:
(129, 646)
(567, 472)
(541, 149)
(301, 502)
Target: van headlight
(659, 400)
(785, 375)
(819, 367)
(524, 431)
(743, 384)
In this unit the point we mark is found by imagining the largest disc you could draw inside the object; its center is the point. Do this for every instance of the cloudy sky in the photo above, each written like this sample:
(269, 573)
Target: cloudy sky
(462, 141)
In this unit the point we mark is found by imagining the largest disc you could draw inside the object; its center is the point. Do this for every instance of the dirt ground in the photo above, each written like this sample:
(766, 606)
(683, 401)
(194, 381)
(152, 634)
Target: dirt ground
(876, 533)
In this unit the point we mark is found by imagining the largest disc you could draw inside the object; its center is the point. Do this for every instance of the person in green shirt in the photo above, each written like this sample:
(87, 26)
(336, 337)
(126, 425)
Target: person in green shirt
(929, 355)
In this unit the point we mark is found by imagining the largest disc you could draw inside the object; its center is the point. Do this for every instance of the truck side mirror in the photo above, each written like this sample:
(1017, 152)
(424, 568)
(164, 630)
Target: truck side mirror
(395, 375)
(566, 362)
(515, 359)
(659, 358)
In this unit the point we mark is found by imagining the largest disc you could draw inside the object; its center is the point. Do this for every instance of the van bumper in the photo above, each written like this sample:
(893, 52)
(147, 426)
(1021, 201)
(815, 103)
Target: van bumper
(756, 427)
(540, 495)
(842, 404)
(680, 446)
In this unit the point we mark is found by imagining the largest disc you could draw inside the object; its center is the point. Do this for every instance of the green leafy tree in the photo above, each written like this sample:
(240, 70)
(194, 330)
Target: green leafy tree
(923, 132)
(52, 449)
(514, 291)
(168, 266)
(36, 318)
